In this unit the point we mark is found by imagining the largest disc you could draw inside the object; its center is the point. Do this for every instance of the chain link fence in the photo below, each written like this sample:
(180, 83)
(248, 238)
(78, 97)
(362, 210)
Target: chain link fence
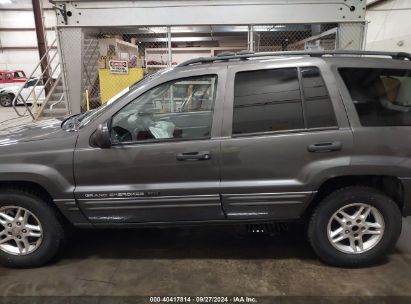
(113, 59)
(282, 37)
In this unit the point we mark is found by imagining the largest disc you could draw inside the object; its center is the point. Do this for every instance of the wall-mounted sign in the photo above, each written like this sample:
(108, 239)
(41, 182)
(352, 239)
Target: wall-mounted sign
(118, 67)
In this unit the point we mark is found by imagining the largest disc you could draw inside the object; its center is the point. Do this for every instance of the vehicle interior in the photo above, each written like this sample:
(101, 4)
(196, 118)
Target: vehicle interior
(381, 96)
(180, 109)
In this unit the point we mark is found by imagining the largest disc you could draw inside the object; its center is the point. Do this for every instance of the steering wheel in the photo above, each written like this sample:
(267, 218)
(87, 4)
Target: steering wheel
(121, 134)
(131, 125)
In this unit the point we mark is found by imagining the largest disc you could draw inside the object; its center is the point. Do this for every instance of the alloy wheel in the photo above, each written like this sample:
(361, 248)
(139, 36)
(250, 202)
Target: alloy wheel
(355, 228)
(21, 232)
(5, 100)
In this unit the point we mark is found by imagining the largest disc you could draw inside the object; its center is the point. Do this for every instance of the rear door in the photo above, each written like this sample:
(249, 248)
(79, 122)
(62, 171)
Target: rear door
(286, 131)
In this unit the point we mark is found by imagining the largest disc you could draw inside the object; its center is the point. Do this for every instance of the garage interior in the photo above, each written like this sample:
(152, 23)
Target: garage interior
(71, 67)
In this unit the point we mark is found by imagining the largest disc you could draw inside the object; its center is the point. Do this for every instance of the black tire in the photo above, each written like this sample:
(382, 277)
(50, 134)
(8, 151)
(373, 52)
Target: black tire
(317, 230)
(53, 232)
(6, 100)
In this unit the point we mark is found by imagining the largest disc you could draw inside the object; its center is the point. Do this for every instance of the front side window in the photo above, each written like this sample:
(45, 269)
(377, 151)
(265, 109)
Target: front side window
(180, 109)
(8, 76)
(382, 97)
(266, 101)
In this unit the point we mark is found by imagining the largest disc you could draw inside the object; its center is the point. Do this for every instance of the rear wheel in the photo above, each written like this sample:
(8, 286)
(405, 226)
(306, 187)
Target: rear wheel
(30, 231)
(354, 226)
(6, 100)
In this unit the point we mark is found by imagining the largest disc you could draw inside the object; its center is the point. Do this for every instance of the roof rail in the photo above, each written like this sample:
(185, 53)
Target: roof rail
(246, 55)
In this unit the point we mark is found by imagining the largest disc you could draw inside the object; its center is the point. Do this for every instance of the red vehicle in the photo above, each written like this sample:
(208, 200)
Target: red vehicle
(11, 77)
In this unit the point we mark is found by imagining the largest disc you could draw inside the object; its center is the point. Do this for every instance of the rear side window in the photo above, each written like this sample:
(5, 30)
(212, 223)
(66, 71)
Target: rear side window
(317, 103)
(274, 100)
(382, 97)
(18, 74)
(267, 100)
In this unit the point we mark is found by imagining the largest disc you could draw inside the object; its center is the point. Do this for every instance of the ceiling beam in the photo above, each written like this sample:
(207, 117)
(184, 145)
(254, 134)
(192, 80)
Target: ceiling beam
(372, 3)
(22, 9)
(20, 48)
(122, 13)
(21, 29)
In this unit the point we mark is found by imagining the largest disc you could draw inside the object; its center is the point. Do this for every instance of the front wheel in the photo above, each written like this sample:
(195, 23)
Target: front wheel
(30, 231)
(6, 100)
(354, 226)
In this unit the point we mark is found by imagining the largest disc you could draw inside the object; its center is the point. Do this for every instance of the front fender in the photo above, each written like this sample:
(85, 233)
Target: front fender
(57, 185)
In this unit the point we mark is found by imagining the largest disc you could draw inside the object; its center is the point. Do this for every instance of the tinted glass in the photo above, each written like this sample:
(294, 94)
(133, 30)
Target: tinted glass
(32, 82)
(18, 74)
(179, 109)
(318, 108)
(382, 97)
(267, 100)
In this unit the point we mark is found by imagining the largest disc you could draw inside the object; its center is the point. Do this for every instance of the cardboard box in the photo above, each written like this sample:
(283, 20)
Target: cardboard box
(115, 57)
(102, 62)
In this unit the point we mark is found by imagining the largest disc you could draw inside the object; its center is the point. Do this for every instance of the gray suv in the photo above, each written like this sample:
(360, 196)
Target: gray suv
(234, 139)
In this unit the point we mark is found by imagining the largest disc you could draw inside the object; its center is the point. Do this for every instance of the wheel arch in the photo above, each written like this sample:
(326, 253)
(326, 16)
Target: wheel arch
(392, 186)
(12, 94)
(37, 190)
(27, 186)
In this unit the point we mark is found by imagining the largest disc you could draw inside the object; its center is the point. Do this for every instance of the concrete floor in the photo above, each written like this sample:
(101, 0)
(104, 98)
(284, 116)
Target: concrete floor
(9, 118)
(203, 261)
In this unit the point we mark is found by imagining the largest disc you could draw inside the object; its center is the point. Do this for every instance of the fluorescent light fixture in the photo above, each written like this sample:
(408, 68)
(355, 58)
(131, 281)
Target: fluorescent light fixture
(5, 1)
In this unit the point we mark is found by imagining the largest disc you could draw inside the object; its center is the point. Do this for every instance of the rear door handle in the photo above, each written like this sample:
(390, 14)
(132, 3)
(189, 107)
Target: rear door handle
(201, 155)
(325, 147)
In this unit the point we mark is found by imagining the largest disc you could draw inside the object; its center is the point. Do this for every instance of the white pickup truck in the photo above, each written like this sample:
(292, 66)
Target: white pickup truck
(29, 94)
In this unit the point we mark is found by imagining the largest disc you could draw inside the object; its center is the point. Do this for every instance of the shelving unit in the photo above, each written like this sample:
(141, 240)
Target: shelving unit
(181, 54)
(120, 47)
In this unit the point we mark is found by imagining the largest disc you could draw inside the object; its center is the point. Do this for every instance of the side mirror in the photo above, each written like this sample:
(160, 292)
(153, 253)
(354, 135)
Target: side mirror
(101, 137)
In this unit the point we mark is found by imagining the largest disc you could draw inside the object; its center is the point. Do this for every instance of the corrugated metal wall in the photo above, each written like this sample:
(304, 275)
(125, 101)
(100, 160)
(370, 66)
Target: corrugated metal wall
(389, 26)
(18, 44)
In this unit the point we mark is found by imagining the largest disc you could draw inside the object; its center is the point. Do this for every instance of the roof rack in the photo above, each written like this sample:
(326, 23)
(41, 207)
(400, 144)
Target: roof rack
(244, 55)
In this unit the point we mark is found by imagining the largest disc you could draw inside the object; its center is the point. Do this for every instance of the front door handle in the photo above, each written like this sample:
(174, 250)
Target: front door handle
(201, 155)
(325, 147)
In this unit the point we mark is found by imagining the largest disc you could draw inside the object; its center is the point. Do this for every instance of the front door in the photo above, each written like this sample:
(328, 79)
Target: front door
(164, 162)
(284, 139)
